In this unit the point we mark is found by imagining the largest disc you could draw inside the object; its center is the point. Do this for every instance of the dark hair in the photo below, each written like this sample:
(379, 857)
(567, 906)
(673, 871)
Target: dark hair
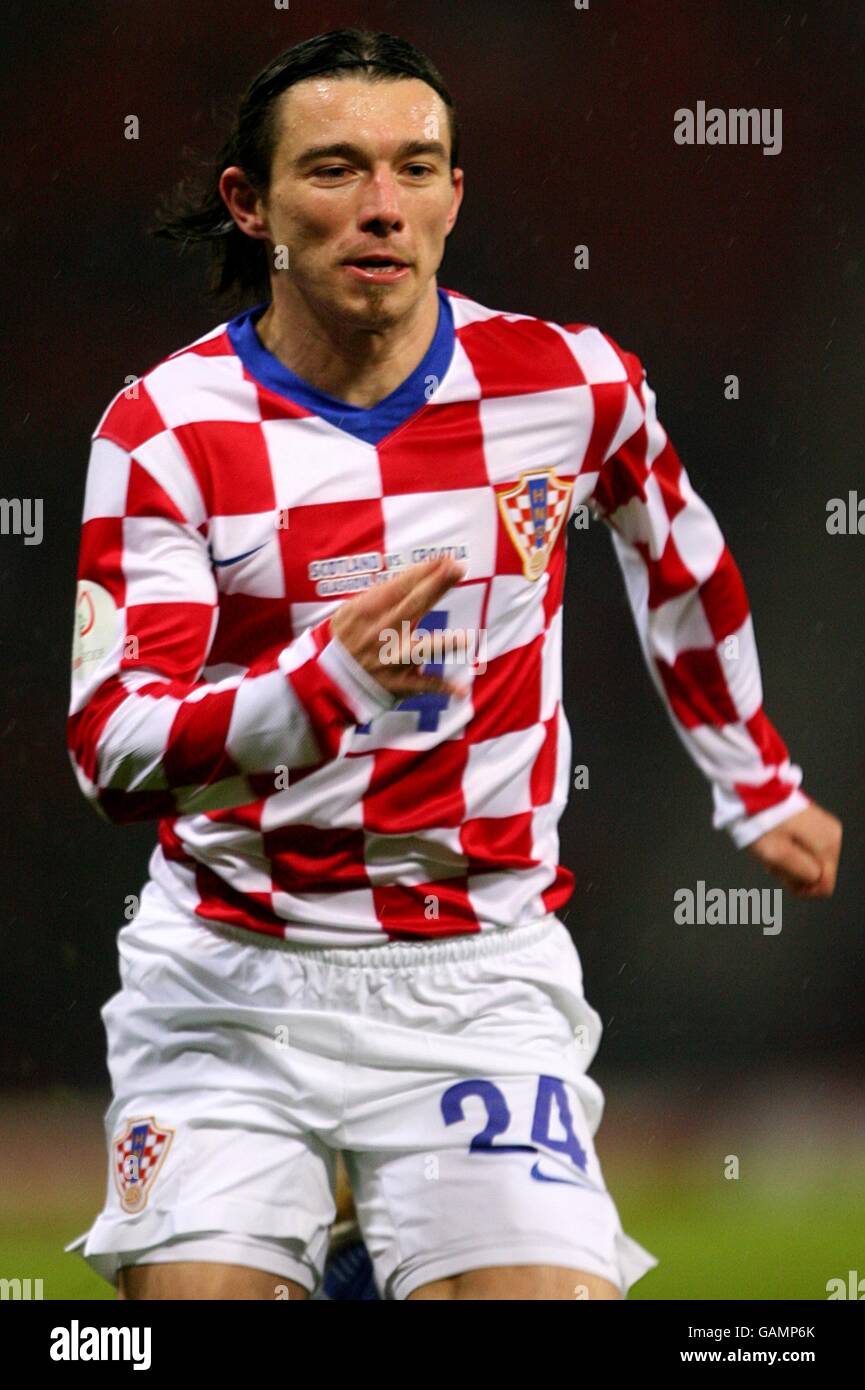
(239, 265)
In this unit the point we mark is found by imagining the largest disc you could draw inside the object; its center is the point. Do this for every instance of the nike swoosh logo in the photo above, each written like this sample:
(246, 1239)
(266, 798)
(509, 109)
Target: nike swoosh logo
(233, 560)
(571, 1182)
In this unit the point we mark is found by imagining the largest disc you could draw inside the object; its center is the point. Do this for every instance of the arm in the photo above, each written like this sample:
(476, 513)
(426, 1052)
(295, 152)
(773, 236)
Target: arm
(693, 620)
(147, 736)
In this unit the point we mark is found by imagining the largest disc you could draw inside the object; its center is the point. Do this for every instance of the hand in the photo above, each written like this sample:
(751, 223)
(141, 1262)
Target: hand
(360, 622)
(803, 852)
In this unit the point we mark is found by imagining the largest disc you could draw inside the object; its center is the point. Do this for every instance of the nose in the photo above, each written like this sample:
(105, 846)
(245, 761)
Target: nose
(380, 201)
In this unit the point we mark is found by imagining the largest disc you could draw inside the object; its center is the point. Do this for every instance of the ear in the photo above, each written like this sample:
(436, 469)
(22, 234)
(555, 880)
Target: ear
(459, 189)
(244, 204)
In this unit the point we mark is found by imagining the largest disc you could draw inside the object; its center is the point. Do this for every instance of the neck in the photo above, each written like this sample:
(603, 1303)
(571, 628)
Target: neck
(358, 364)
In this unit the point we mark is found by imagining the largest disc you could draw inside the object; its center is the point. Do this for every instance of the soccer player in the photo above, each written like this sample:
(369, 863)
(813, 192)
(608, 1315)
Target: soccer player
(319, 642)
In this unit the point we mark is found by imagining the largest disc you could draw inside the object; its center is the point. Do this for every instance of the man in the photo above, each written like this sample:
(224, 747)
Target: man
(349, 941)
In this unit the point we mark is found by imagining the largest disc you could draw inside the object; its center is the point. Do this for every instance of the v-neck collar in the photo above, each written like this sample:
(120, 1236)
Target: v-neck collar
(371, 424)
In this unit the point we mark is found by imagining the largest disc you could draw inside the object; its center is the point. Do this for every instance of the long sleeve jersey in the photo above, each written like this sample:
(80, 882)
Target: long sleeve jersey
(230, 507)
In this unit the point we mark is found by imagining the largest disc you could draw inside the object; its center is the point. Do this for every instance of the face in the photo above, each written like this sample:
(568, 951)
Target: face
(361, 170)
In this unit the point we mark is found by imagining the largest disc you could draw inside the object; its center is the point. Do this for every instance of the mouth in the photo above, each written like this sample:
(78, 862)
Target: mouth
(378, 268)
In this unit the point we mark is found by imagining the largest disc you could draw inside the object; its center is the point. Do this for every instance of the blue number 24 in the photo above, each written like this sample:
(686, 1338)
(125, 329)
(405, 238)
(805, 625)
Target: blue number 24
(550, 1089)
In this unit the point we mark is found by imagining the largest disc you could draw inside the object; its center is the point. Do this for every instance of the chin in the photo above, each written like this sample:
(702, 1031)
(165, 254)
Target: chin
(378, 304)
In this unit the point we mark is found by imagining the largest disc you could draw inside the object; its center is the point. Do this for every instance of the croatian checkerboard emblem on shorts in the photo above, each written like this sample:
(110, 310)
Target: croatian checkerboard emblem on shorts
(138, 1155)
(533, 513)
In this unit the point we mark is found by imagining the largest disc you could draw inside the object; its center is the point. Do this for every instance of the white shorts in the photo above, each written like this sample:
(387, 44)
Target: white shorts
(451, 1075)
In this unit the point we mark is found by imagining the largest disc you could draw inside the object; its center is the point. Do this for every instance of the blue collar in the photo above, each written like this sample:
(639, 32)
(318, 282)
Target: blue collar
(371, 424)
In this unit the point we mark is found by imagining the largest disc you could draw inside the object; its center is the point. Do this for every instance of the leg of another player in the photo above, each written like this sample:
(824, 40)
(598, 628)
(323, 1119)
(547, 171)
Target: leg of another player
(520, 1282)
(196, 1279)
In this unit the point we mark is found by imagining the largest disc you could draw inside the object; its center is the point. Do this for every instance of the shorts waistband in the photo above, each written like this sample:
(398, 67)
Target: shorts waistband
(399, 954)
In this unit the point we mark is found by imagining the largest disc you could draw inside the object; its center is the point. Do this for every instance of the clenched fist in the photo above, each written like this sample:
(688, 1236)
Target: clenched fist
(803, 852)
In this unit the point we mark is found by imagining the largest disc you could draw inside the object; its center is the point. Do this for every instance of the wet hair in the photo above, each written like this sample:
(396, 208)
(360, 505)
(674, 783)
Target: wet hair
(196, 214)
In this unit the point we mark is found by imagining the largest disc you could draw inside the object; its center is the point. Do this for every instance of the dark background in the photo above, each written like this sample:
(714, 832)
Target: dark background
(705, 261)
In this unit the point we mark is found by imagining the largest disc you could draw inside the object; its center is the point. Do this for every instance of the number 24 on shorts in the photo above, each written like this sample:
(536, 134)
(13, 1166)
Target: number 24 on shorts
(550, 1089)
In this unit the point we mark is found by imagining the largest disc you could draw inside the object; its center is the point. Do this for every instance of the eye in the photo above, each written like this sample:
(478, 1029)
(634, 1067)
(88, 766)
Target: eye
(422, 168)
(331, 169)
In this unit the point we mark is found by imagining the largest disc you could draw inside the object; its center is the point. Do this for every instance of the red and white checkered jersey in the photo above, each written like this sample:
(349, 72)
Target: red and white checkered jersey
(223, 524)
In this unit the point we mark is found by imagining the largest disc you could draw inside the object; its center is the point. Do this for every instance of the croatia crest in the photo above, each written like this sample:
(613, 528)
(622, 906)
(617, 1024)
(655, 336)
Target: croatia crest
(533, 513)
(138, 1155)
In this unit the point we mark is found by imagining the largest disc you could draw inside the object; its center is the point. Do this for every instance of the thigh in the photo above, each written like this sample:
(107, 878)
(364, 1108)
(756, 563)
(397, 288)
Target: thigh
(520, 1282)
(203, 1280)
(219, 1264)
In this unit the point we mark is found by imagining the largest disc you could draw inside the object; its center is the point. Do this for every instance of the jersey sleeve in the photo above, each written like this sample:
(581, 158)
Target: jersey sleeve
(691, 611)
(147, 735)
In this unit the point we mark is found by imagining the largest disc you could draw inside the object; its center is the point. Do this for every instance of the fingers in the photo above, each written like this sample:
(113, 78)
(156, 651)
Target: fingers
(818, 835)
(408, 594)
(793, 865)
(368, 623)
(408, 681)
(821, 886)
(411, 592)
(801, 868)
(422, 587)
(825, 844)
